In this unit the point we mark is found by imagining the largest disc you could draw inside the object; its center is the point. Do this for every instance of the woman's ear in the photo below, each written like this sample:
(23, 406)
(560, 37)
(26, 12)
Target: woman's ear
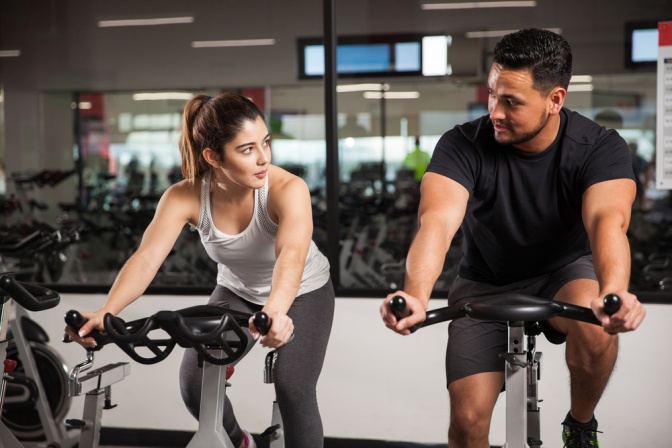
(211, 157)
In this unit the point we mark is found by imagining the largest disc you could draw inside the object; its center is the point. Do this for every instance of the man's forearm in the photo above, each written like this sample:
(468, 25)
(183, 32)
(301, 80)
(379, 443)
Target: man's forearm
(425, 261)
(611, 256)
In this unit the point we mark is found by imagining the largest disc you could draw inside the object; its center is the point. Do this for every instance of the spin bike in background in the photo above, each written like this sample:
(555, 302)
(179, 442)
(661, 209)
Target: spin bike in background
(32, 298)
(523, 314)
(217, 335)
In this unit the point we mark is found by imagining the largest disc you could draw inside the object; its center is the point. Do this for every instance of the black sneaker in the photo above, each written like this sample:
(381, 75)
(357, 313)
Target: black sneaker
(579, 435)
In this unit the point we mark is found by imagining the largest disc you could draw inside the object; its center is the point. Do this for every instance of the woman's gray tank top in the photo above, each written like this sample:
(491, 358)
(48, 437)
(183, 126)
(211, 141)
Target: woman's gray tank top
(245, 261)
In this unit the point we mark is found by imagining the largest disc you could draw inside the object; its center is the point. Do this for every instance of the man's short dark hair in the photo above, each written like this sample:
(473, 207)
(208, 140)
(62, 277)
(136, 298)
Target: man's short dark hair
(546, 54)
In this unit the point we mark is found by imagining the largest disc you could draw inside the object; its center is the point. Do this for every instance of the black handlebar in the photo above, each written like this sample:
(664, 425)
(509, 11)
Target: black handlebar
(262, 322)
(30, 297)
(205, 328)
(507, 308)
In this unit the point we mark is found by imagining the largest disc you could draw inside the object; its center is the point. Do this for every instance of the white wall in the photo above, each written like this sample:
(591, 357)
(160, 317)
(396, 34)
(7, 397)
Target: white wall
(379, 385)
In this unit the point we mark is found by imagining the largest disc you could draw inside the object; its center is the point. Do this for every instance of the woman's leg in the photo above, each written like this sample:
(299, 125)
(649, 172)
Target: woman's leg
(298, 368)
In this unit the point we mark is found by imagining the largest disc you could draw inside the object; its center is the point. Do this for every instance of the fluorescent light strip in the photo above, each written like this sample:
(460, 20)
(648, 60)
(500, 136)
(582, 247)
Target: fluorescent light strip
(231, 43)
(581, 78)
(580, 88)
(476, 5)
(10, 53)
(499, 33)
(153, 96)
(392, 95)
(145, 22)
(361, 87)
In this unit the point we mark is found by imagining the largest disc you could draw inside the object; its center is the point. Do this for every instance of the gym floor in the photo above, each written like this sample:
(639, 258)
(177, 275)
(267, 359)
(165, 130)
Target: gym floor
(130, 438)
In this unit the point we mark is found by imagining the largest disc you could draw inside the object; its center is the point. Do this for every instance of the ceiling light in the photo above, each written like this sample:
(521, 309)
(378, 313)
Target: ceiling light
(475, 5)
(145, 22)
(232, 43)
(580, 88)
(9, 53)
(391, 95)
(581, 78)
(361, 87)
(183, 96)
(499, 33)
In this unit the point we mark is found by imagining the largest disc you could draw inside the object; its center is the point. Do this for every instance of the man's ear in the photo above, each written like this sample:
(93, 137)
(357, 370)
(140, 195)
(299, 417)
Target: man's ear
(211, 157)
(557, 99)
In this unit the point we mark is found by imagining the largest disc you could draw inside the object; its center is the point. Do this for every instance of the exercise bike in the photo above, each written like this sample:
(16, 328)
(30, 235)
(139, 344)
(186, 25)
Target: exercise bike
(32, 298)
(218, 337)
(523, 314)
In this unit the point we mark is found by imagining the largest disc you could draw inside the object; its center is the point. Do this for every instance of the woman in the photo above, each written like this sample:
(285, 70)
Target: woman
(255, 221)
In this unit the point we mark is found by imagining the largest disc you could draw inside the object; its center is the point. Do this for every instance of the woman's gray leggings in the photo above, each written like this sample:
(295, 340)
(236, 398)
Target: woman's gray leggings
(297, 367)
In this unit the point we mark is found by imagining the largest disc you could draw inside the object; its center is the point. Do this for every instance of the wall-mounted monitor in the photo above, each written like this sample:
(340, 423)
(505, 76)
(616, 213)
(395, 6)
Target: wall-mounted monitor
(641, 44)
(378, 56)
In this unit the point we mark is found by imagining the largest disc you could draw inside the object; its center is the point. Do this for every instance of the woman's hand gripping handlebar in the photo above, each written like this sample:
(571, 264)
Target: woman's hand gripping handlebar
(274, 333)
(506, 307)
(75, 321)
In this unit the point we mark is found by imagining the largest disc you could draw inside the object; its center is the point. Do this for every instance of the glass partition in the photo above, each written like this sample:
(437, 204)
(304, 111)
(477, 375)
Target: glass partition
(87, 218)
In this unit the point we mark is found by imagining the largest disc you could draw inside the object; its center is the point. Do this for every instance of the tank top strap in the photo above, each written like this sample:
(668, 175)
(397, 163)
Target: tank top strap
(204, 222)
(265, 222)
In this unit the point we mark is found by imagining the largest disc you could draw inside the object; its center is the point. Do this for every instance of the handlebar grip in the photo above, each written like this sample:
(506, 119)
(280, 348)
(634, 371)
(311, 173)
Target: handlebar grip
(76, 321)
(261, 320)
(612, 303)
(400, 310)
(30, 297)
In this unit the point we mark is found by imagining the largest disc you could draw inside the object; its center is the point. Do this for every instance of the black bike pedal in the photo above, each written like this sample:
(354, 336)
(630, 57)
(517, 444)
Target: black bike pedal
(75, 423)
(270, 431)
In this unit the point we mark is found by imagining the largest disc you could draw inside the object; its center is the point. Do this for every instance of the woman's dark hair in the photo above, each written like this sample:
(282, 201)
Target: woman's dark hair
(546, 54)
(211, 122)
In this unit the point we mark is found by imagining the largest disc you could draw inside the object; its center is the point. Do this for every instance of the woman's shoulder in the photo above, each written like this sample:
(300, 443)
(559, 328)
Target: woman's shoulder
(285, 188)
(184, 190)
(280, 179)
(183, 196)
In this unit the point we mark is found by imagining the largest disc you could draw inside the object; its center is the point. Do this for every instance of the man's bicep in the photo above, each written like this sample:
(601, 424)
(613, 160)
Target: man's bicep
(444, 198)
(609, 198)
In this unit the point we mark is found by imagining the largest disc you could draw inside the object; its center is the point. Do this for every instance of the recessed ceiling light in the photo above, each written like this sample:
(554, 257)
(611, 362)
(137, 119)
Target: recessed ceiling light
(231, 43)
(476, 5)
(581, 78)
(10, 53)
(499, 33)
(391, 95)
(580, 88)
(184, 96)
(361, 87)
(145, 22)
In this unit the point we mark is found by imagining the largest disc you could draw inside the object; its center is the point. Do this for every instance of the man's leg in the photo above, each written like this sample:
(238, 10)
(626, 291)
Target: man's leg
(472, 400)
(590, 351)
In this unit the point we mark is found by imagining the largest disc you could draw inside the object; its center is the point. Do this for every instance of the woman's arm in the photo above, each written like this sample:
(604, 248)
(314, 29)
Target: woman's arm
(289, 203)
(178, 206)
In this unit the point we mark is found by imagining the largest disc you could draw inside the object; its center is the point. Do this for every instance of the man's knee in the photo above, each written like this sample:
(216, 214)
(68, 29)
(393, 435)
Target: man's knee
(587, 343)
(472, 400)
(469, 423)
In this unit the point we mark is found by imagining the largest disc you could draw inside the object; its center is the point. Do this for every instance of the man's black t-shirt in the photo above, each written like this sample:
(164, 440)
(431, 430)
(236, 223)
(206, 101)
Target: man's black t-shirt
(523, 217)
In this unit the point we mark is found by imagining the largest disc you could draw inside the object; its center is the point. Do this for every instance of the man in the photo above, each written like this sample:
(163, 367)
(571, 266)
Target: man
(543, 196)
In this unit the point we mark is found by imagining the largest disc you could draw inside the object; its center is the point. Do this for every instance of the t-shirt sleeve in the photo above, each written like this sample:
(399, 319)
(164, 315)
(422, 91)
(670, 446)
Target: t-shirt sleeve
(454, 157)
(608, 160)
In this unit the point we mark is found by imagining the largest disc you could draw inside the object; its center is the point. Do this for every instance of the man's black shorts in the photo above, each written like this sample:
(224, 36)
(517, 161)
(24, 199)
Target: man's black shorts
(474, 346)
